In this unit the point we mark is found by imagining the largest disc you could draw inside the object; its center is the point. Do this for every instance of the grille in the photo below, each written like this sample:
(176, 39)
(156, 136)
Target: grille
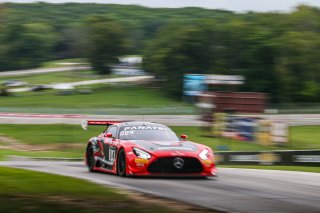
(165, 165)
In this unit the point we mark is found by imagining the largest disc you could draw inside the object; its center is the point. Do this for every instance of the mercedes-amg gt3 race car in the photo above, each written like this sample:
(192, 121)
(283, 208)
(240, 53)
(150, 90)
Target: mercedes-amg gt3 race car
(146, 149)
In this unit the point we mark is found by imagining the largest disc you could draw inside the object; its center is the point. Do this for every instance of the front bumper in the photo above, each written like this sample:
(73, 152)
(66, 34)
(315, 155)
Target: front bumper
(164, 166)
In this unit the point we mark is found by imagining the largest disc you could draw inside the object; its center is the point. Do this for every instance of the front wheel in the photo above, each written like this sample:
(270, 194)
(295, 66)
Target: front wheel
(121, 163)
(90, 159)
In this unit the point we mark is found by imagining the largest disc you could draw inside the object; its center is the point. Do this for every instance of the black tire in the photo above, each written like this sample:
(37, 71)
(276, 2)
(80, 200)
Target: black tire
(89, 158)
(121, 163)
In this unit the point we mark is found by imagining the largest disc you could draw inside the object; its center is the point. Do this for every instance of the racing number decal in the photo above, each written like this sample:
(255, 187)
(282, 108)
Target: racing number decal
(112, 154)
(109, 152)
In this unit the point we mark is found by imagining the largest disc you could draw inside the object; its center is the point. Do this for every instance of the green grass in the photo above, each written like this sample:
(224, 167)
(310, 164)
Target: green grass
(62, 135)
(103, 97)
(285, 168)
(305, 136)
(49, 134)
(301, 137)
(55, 154)
(28, 191)
(57, 77)
(297, 108)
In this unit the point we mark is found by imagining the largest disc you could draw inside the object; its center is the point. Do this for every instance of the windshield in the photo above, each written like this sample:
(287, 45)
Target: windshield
(148, 133)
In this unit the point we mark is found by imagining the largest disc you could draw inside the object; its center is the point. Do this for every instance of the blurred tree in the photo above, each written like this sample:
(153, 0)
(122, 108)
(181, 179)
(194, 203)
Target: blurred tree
(301, 53)
(180, 49)
(28, 45)
(3, 59)
(274, 54)
(105, 43)
(278, 53)
(71, 42)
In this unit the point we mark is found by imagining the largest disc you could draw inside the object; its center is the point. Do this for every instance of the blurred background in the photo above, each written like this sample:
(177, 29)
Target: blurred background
(236, 79)
(240, 76)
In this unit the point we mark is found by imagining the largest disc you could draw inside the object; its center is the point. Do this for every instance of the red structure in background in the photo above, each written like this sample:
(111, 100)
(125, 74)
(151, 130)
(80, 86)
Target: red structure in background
(239, 102)
(229, 101)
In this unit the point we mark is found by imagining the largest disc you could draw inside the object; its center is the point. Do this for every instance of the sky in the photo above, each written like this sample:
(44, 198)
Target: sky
(234, 5)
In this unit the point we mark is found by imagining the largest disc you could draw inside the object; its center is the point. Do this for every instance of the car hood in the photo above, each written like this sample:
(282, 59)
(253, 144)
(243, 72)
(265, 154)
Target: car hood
(166, 145)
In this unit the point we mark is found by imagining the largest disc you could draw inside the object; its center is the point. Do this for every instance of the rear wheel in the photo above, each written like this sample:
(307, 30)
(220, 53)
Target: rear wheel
(90, 158)
(121, 163)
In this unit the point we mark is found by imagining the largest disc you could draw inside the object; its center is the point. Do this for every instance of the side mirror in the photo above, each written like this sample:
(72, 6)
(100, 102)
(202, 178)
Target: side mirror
(183, 136)
(108, 135)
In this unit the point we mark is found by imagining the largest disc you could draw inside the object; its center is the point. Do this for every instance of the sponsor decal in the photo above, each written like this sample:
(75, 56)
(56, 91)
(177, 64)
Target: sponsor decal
(263, 158)
(306, 158)
(122, 133)
(289, 157)
(219, 158)
(177, 153)
(244, 158)
(175, 148)
(209, 162)
(165, 143)
(279, 132)
(141, 161)
(269, 158)
(143, 127)
(193, 84)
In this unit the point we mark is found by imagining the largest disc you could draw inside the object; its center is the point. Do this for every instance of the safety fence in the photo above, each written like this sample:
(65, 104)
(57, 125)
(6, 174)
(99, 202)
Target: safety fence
(284, 158)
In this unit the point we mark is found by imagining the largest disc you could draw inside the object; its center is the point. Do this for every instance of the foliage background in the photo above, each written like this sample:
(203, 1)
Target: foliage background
(278, 53)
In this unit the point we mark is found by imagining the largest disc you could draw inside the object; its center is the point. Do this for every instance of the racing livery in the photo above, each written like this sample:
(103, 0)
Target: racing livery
(146, 149)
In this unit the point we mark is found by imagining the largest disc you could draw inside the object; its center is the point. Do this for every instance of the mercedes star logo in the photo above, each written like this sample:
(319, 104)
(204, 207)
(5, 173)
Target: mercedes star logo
(178, 163)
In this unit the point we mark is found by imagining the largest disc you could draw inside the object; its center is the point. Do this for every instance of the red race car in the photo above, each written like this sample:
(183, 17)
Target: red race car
(146, 149)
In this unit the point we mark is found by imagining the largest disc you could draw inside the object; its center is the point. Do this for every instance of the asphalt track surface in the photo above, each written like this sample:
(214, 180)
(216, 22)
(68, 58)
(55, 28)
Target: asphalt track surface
(42, 70)
(235, 190)
(171, 120)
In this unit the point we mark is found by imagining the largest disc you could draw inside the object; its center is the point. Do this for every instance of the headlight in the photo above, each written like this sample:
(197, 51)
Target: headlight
(204, 155)
(141, 154)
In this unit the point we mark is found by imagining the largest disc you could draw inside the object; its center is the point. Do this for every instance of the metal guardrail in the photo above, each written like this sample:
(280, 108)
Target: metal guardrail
(280, 158)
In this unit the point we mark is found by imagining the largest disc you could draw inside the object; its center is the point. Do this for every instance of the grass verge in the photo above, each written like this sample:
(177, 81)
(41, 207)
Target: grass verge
(49, 134)
(120, 96)
(57, 77)
(301, 137)
(28, 191)
(71, 139)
